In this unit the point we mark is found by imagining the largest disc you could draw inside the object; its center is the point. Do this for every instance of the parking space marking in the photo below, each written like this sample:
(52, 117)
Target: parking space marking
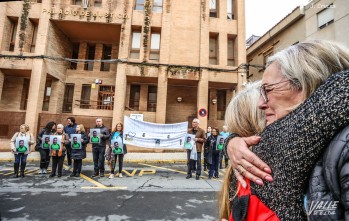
(148, 165)
(107, 187)
(30, 171)
(146, 172)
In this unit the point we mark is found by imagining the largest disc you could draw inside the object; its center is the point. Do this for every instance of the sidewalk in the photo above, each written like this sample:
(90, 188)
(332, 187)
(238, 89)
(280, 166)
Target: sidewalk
(129, 157)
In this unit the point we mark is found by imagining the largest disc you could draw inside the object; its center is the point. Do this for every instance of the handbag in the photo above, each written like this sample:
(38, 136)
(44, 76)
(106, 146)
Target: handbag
(108, 154)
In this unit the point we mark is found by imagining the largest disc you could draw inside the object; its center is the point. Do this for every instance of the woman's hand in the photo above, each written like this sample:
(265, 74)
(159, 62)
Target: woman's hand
(245, 163)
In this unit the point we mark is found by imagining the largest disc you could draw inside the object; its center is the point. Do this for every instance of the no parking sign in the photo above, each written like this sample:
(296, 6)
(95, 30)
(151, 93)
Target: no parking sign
(202, 112)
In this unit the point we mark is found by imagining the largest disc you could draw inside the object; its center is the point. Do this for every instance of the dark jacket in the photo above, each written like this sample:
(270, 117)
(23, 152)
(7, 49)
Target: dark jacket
(70, 129)
(79, 154)
(122, 137)
(201, 137)
(104, 138)
(210, 147)
(329, 181)
(43, 132)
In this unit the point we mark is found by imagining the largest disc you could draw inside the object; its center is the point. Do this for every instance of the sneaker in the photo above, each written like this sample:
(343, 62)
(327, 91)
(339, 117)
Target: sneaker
(95, 174)
(77, 175)
(197, 177)
(102, 175)
(120, 175)
(209, 177)
(41, 171)
(52, 175)
(44, 171)
(72, 175)
(59, 175)
(189, 176)
(216, 177)
(111, 176)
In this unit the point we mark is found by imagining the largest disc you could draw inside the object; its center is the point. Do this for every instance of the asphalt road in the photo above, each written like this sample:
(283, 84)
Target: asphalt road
(145, 192)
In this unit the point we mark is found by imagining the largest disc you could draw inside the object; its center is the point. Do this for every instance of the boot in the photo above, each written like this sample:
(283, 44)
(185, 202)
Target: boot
(23, 169)
(16, 167)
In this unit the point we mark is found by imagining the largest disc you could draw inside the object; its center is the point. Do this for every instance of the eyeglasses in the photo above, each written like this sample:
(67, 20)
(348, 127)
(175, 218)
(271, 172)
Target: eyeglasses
(264, 91)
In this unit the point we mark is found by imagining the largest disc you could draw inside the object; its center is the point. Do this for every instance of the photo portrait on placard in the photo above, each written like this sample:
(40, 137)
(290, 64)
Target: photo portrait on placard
(76, 141)
(189, 141)
(95, 135)
(117, 146)
(220, 142)
(22, 145)
(55, 142)
(46, 142)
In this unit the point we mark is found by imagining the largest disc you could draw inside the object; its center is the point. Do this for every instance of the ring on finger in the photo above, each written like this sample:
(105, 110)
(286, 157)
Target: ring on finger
(241, 169)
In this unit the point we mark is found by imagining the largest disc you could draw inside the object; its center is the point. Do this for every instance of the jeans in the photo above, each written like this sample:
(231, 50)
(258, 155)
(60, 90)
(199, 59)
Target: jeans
(191, 163)
(113, 162)
(21, 158)
(44, 158)
(98, 159)
(222, 155)
(77, 166)
(57, 161)
(214, 165)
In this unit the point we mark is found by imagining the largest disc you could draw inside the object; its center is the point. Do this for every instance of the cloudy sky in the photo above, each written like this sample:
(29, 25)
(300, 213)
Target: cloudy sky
(261, 15)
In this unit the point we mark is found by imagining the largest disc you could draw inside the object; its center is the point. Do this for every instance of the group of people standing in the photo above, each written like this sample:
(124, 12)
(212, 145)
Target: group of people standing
(64, 148)
(206, 142)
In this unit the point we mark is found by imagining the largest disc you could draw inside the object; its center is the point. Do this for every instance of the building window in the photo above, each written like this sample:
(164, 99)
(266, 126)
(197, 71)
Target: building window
(136, 45)
(157, 6)
(134, 97)
(106, 97)
(325, 17)
(34, 35)
(47, 95)
(68, 98)
(230, 51)
(85, 96)
(91, 48)
(152, 96)
(75, 55)
(77, 2)
(97, 3)
(105, 66)
(155, 46)
(213, 47)
(25, 93)
(214, 8)
(13, 33)
(266, 55)
(221, 104)
(139, 5)
(230, 14)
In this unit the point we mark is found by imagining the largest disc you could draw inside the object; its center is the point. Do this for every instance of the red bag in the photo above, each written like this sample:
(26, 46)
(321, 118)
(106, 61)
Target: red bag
(248, 207)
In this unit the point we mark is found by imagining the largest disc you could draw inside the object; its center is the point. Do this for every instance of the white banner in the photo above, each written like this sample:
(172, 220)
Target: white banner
(151, 135)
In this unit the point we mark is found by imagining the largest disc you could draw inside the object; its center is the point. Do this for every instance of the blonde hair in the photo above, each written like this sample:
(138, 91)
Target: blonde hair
(82, 128)
(60, 126)
(25, 126)
(244, 118)
(308, 64)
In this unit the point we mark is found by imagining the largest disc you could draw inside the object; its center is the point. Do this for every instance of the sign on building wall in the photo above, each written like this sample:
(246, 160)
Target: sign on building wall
(152, 135)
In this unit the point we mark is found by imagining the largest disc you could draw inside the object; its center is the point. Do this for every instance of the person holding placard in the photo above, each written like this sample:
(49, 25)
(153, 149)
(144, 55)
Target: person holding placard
(98, 149)
(208, 134)
(119, 149)
(49, 129)
(80, 138)
(213, 153)
(20, 147)
(57, 150)
(69, 129)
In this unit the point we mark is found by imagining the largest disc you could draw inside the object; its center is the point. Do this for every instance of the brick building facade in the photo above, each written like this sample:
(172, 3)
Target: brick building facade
(164, 59)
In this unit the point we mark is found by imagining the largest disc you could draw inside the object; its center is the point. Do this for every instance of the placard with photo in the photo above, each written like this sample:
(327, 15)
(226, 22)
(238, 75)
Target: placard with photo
(220, 142)
(189, 141)
(22, 145)
(95, 135)
(117, 146)
(76, 141)
(46, 142)
(55, 142)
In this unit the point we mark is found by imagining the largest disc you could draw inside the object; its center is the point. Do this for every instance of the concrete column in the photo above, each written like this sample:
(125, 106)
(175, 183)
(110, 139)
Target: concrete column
(82, 55)
(2, 79)
(213, 107)
(3, 27)
(57, 96)
(203, 97)
(161, 100)
(143, 100)
(223, 46)
(98, 56)
(120, 94)
(241, 41)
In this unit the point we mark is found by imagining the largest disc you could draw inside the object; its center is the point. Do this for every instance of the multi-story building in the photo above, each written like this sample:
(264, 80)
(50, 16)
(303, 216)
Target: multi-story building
(319, 19)
(164, 59)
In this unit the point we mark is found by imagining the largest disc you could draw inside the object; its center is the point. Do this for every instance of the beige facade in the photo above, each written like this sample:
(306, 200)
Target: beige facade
(164, 59)
(319, 19)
